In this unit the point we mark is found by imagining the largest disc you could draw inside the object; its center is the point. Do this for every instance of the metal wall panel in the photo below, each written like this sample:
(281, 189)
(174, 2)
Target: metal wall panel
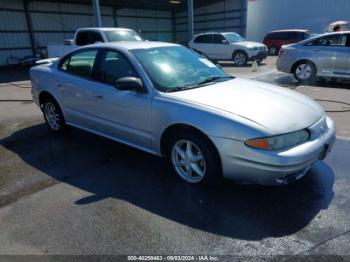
(52, 23)
(152, 24)
(5, 54)
(224, 16)
(55, 22)
(14, 38)
(12, 21)
(14, 4)
(266, 15)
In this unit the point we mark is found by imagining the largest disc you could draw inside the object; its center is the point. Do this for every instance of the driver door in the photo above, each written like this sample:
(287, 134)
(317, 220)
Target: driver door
(123, 115)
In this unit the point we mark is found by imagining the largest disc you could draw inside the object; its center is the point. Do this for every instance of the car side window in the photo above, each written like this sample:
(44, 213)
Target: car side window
(79, 63)
(292, 35)
(82, 38)
(277, 36)
(87, 38)
(95, 37)
(217, 39)
(113, 66)
(331, 40)
(203, 39)
(269, 37)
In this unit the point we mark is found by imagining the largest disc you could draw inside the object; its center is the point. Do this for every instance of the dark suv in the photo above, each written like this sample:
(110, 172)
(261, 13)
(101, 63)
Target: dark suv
(275, 39)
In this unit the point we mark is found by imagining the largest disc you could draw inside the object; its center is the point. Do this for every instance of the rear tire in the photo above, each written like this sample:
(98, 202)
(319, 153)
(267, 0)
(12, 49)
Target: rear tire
(273, 50)
(305, 72)
(53, 116)
(194, 159)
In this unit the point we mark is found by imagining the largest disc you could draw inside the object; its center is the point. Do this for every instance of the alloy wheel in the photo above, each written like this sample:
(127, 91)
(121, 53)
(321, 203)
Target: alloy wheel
(240, 59)
(52, 116)
(303, 71)
(188, 161)
(273, 50)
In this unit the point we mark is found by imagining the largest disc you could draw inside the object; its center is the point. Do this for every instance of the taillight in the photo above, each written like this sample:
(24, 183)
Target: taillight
(281, 52)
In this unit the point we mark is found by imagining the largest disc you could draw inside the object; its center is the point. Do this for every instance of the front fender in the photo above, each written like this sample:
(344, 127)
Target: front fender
(211, 122)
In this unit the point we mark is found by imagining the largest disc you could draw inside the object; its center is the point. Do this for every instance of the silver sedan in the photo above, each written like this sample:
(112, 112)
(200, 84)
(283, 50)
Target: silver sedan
(326, 55)
(167, 100)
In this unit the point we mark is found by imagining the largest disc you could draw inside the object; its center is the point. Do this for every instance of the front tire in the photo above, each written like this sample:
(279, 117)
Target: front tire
(240, 58)
(53, 115)
(194, 159)
(305, 72)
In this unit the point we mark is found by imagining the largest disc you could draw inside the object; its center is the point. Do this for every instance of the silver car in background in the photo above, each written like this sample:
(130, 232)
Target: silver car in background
(169, 101)
(326, 55)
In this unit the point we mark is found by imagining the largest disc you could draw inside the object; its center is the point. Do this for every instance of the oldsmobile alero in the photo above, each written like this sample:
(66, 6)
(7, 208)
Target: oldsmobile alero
(169, 101)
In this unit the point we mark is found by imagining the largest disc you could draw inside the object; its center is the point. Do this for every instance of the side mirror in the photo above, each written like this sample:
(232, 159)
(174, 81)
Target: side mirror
(224, 41)
(129, 83)
(68, 42)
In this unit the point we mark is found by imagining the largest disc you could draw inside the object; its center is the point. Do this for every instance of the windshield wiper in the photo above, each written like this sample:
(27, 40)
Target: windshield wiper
(179, 88)
(212, 79)
(206, 81)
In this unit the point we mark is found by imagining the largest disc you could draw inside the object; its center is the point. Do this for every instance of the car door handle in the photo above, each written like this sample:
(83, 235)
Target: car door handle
(99, 96)
(58, 84)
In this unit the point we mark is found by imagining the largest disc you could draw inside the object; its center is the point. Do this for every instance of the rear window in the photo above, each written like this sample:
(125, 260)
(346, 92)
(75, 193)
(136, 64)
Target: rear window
(122, 35)
(80, 63)
(203, 39)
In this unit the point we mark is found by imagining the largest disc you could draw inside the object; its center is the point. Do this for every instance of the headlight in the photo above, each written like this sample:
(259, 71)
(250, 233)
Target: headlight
(280, 141)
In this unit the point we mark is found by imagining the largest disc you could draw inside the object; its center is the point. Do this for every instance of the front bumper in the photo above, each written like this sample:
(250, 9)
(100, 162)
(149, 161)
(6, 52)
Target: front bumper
(253, 166)
(259, 56)
(284, 64)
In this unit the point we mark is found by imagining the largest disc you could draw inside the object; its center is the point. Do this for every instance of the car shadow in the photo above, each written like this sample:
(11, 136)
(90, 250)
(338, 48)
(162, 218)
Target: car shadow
(108, 169)
(14, 73)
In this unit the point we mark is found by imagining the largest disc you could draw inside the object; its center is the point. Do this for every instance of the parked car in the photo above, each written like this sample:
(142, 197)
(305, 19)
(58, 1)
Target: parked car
(327, 55)
(87, 36)
(169, 101)
(276, 39)
(338, 26)
(228, 46)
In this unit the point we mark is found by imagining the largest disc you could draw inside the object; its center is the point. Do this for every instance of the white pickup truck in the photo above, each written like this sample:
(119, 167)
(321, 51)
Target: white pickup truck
(87, 36)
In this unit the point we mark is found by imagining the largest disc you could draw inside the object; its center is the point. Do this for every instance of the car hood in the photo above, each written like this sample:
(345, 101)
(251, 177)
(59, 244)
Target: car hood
(277, 109)
(249, 44)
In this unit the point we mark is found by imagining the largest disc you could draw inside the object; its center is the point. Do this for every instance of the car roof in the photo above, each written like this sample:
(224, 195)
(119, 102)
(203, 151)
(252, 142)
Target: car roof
(289, 30)
(131, 45)
(103, 28)
(209, 33)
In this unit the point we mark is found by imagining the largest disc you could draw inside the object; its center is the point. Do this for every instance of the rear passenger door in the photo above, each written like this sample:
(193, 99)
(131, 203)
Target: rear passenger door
(74, 83)
(204, 44)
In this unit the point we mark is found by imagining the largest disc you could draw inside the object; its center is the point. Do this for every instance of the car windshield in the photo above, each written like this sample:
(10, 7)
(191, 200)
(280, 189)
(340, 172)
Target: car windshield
(122, 35)
(176, 68)
(233, 37)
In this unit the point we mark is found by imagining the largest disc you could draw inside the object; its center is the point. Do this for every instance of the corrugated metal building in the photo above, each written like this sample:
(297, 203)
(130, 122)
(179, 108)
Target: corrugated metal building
(51, 22)
(223, 16)
(56, 20)
(267, 15)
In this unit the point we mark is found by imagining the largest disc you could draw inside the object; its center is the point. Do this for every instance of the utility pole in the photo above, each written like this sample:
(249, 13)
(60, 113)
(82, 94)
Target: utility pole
(96, 5)
(190, 19)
